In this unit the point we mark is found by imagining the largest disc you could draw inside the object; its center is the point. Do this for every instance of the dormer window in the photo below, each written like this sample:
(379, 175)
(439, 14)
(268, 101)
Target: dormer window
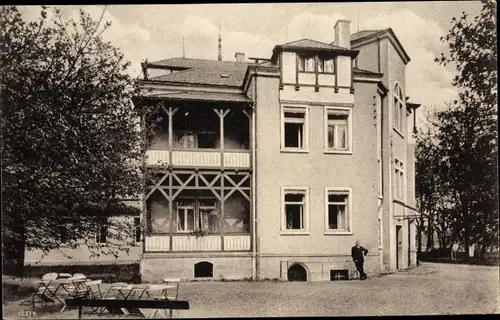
(306, 63)
(325, 65)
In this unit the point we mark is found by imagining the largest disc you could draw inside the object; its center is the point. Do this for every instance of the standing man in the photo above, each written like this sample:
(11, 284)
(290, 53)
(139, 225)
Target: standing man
(358, 253)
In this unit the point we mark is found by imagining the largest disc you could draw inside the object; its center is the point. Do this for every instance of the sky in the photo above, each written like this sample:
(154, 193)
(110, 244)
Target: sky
(157, 32)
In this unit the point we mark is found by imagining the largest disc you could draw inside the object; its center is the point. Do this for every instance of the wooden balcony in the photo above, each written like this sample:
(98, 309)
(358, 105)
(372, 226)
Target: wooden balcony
(187, 243)
(200, 158)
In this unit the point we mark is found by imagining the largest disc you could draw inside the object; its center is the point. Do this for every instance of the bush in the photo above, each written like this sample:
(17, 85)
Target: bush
(108, 273)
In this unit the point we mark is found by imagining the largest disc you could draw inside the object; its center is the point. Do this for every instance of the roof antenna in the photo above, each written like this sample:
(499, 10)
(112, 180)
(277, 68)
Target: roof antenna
(358, 18)
(183, 48)
(219, 57)
(286, 25)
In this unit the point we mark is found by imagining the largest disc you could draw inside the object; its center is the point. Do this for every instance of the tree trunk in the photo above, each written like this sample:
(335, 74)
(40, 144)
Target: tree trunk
(13, 237)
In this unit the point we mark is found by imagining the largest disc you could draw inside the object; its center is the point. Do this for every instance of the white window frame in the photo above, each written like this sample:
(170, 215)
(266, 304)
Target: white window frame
(399, 177)
(305, 212)
(200, 207)
(343, 191)
(337, 110)
(185, 208)
(305, 136)
(196, 210)
(398, 109)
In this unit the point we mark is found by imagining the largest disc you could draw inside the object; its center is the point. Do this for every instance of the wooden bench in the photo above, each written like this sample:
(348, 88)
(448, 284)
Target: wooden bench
(129, 304)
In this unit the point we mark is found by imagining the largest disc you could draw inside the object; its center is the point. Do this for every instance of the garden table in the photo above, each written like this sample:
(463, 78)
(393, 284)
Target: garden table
(149, 293)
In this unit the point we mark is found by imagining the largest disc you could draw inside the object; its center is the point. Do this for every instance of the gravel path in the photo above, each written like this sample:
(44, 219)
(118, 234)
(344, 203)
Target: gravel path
(430, 289)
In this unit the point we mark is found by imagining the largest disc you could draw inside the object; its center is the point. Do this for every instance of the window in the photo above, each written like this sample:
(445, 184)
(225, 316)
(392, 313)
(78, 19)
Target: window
(63, 234)
(398, 111)
(294, 128)
(196, 215)
(399, 179)
(101, 233)
(338, 210)
(338, 130)
(336, 275)
(137, 229)
(305, 63)
(207, 220)
(320, 65)
(295, 212)
(325, 65)
(185, 215)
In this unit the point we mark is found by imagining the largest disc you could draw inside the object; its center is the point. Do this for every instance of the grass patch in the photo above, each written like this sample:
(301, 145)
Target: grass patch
(17, 290)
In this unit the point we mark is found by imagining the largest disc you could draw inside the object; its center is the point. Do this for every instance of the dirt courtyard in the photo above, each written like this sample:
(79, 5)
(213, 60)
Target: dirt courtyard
(430, 289)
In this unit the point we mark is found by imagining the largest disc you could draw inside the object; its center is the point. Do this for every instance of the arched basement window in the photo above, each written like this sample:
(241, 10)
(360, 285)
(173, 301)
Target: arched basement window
(203, 269)
(297, 273)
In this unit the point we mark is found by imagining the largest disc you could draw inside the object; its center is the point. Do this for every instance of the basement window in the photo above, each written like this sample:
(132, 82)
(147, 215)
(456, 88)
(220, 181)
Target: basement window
(336, 275)
(203, 269)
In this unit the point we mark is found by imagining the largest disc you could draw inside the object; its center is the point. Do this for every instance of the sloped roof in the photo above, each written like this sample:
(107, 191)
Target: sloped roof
(202, 71)
(364, 72)
(365, 34)
(311, 44)
(201, 96)
(370, 34)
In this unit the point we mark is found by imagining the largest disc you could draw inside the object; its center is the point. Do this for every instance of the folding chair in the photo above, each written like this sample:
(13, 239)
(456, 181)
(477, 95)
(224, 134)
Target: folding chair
(78, 288)
(175, 282)
(94, 289)
(45, 290)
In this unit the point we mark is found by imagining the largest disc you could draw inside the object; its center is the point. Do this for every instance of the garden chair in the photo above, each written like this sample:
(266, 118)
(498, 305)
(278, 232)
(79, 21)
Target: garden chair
(176, 282)
(94, 292)
(45, 291)
(78, 288)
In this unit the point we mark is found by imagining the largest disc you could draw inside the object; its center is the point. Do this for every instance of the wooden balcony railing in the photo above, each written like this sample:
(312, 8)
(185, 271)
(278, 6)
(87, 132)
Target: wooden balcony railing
(186, 243)
(200, 158)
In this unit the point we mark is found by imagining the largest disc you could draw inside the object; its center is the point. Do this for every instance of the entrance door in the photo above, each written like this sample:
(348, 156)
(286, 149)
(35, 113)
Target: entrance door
(399, 246)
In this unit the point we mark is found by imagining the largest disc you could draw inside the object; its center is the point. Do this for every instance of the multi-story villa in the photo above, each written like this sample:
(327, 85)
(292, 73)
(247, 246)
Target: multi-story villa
(273, 168)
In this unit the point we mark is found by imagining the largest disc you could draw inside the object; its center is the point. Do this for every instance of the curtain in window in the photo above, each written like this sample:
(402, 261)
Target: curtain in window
(309, 65)
(187, 141)
(328, 66)
(321, 65)
(301, 63)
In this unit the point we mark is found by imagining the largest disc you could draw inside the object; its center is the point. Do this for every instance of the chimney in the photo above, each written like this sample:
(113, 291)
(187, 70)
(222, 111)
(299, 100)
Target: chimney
(343, 34)
(240, 57)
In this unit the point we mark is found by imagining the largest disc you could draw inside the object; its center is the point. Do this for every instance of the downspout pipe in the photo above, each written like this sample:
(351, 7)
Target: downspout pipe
(254, 195)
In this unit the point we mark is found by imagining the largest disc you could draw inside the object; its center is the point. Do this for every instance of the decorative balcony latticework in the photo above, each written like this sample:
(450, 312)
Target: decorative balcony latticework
(181, 203)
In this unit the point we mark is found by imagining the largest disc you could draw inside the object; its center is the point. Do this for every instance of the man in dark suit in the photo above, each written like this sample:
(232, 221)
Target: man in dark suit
(358, 253)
